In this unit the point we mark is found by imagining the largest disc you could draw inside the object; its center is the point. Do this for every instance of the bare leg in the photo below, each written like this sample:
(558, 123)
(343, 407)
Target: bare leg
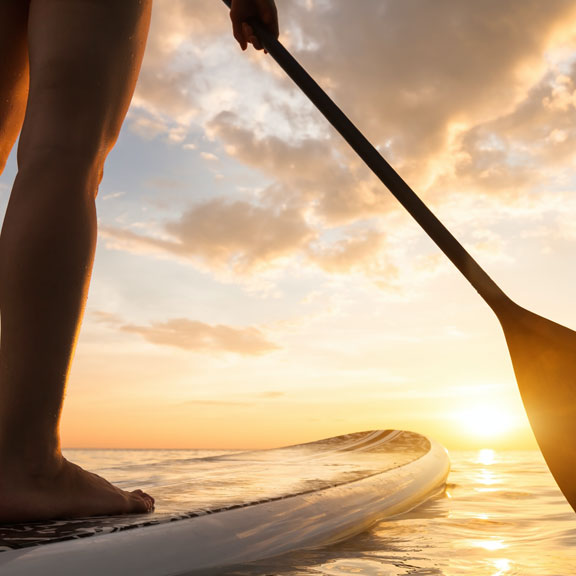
(14, 76)
(84, 61)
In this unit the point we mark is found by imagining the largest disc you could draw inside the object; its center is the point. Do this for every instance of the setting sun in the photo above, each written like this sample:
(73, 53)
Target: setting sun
(487, 421)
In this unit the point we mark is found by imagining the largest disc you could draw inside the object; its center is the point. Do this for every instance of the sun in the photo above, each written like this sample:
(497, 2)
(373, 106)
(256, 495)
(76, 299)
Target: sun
(486, 420)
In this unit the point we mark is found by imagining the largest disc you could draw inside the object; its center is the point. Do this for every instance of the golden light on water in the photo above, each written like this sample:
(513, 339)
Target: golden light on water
(486, 457)
(502, 566)
(490, 545)
(488, 478)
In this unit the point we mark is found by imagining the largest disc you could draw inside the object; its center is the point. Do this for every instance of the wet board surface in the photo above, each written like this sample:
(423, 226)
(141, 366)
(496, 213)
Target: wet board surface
(239, 507)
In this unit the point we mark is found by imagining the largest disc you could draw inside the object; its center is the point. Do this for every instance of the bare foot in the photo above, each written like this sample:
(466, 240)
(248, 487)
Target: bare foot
(67, 491)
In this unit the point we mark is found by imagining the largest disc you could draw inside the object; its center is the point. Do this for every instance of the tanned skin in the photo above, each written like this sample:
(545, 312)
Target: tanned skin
(69, 68)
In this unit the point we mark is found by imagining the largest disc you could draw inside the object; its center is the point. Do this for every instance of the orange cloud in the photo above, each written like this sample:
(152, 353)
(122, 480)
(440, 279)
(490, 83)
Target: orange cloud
(200, 337)
(310, 173)
(240, 235)
(365, 253)
(418, 66)
(417, 69)
(525, 147)
(463, 98)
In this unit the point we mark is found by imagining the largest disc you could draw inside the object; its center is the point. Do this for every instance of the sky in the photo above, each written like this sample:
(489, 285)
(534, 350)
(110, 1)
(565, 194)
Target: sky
(255, 285)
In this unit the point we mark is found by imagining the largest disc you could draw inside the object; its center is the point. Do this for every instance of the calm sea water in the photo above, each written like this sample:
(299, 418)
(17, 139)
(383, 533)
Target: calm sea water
(502, 515)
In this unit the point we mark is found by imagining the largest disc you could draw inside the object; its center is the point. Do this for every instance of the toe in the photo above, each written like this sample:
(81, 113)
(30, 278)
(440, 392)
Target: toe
(139, 504)
(150, 502)
(144, 495)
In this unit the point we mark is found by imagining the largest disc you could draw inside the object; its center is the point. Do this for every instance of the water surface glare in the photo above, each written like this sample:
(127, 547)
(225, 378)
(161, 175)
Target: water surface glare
(501, 515)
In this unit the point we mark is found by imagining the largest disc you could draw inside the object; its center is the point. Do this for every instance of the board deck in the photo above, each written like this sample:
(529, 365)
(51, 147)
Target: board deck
(239, 507)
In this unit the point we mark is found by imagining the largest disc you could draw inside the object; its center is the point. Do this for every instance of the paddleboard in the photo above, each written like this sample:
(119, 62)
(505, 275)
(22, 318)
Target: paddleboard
(239, 507)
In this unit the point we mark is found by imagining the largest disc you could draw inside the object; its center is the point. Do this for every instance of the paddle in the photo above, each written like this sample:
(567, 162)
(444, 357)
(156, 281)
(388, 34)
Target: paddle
(543, 353)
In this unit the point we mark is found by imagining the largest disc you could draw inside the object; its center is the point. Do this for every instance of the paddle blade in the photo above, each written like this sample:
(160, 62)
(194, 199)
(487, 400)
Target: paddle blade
(544, 358)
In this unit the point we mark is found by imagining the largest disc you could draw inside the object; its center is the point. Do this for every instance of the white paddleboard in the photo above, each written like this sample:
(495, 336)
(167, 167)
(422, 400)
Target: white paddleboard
(238, 508)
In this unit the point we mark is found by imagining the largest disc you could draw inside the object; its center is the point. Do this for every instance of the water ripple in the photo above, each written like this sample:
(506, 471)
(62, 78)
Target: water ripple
(501, 515)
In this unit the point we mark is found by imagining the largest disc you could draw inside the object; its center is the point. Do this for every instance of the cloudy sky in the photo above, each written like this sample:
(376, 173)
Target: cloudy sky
(255, 285)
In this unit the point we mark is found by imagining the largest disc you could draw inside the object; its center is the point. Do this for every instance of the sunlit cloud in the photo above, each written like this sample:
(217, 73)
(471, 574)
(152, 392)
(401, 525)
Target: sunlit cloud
(408, 102)
(217, 403)
(363, 253)
(128, 241)
(240, 235)
(195, 336)
(250, 400)
(408, 87)
(107, 318)
(201, 337)
(272, 394)
(310, 173)
(491, 118)
(523, 149)
(113, 195)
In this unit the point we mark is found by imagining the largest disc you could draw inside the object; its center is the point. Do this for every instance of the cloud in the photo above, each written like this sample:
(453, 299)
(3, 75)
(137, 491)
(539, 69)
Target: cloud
(239, 236)
(128, 241)
(240, 241)
(532, 146)
(108, 318)
(418, 67)
(492, 116)
(271, 394)
(200, 337)
(113, 195)
(166, 100)
(216, 403)
(421, 76)
(310, 173)
(364, 252)
(465, 99)
(194, 336)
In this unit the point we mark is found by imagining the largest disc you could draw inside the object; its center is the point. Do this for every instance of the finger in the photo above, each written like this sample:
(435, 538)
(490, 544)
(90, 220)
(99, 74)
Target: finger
(250, 36)
(237, 29)
(269, 16)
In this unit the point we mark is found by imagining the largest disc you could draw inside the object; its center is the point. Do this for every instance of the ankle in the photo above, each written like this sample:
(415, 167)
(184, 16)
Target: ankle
(20, 461)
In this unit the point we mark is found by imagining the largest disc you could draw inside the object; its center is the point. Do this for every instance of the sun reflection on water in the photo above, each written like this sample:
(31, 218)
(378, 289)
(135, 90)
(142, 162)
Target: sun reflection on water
(490, 545)
(486, 457)
(503, 515)
(502, 566)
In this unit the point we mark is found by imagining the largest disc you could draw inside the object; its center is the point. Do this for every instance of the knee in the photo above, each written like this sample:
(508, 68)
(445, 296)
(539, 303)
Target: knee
(62, 169)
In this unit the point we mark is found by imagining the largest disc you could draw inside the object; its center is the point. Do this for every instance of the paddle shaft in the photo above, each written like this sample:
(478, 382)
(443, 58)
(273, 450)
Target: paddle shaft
(471, 270)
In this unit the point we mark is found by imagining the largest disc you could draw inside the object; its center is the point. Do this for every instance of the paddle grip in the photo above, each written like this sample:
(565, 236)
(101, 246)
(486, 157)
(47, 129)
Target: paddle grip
(444, 239)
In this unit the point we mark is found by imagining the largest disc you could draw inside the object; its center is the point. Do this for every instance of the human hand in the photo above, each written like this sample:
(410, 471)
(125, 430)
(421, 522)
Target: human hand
(243, 11)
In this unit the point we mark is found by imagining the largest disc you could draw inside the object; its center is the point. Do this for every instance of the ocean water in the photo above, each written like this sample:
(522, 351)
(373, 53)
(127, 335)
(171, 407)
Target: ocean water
(501, 515)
